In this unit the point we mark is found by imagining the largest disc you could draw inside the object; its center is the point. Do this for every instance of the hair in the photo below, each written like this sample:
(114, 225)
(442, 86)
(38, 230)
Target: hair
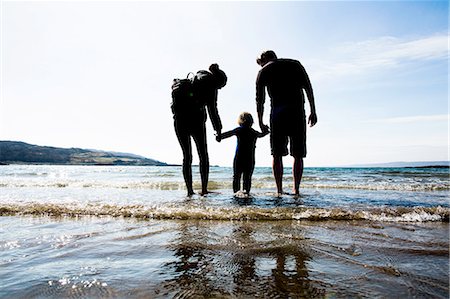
(245, 119)
(219, 75)
(265, 57)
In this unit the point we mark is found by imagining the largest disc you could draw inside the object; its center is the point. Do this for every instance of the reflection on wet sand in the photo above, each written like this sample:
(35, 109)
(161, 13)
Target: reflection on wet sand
(241, 260)
(121, 258)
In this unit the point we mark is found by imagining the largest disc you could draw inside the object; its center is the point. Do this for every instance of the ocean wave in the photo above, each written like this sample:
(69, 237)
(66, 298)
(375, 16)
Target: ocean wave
(226, 184)
(385, 186)
(196, 212)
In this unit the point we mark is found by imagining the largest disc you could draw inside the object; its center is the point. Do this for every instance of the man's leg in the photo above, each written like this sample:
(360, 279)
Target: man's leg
(297, 172)
(298, 151)
(277, 168)
(278, 143)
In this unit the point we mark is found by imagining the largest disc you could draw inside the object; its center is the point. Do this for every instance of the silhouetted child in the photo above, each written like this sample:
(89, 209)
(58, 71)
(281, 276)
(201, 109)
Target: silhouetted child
(244, 159)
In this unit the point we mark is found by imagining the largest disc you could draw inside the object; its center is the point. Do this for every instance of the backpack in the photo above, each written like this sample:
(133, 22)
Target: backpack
(202, 81)
(187, 93)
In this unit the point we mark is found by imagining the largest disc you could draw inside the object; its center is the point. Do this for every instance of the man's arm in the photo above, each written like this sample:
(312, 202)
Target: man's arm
(312, 119)
(260, 99)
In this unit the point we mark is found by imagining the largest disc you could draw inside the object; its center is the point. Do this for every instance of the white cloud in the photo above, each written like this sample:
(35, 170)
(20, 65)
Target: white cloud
(384, 52)
(393, 50)
(411, 119)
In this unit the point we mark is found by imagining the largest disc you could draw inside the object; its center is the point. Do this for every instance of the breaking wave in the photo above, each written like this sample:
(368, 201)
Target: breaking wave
(226, 184)
(195, 212)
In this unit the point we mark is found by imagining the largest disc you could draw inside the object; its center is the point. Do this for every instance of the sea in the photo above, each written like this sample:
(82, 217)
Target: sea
(131, 232)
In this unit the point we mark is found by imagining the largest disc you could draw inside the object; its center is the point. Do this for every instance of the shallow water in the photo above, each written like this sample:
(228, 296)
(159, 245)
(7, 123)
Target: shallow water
(115, 232)
(117, 257)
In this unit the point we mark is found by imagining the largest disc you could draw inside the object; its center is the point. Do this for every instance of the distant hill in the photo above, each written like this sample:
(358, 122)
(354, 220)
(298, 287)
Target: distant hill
(405, 164)
(15, 152)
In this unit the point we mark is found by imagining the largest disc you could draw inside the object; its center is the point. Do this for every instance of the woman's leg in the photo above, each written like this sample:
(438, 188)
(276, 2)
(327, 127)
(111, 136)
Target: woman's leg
(185, 142)
(202, 149)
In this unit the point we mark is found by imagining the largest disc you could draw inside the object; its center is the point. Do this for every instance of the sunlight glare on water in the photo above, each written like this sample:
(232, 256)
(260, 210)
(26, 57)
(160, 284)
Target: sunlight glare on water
(115, 232)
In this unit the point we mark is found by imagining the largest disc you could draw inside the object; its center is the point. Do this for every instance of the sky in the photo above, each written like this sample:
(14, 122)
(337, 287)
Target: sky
(98, 74)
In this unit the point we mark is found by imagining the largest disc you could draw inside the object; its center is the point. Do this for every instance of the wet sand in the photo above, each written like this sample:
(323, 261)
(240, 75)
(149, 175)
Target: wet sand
(106, 257)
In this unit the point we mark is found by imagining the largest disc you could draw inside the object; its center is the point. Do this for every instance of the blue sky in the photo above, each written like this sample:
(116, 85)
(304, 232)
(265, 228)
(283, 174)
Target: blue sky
(97, 74)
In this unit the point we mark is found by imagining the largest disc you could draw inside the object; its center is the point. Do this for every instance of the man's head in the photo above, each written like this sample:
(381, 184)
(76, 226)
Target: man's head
(265, 57)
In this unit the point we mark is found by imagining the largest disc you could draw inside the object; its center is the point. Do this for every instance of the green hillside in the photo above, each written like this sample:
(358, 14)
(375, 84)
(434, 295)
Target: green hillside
(14, 152)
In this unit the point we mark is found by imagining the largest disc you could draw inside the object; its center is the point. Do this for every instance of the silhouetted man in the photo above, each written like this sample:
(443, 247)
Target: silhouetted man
(285, 80)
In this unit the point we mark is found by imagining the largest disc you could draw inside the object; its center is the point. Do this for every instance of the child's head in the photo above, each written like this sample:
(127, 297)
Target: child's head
(245, 120)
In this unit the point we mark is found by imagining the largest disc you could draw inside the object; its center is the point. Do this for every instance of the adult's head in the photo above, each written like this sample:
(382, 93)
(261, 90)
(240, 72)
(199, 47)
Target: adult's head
(265, 57)
(220, 77)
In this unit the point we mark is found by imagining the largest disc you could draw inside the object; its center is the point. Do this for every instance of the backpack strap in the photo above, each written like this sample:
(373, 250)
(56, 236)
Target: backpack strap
(190, 73)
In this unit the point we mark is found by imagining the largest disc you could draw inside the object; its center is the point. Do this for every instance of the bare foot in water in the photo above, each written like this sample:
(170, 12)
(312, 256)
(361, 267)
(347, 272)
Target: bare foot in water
(279, 194)
(207, 192)
(204, 192)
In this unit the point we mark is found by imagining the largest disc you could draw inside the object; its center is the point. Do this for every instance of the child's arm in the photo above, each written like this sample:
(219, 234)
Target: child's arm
(226, 135)
(264, 133)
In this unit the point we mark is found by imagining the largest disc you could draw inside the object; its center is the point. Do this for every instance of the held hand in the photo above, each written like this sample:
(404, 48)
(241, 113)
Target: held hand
(263, 127)
(218, 137)
(312, 120)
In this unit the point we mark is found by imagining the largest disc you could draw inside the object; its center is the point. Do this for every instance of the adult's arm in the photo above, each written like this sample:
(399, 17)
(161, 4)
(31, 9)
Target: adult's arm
(260, 100)
(214, 113)
(263, 133)
(312, 119)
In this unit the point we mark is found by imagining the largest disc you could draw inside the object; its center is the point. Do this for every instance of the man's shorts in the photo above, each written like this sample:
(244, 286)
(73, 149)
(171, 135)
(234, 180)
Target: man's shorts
(288, 127)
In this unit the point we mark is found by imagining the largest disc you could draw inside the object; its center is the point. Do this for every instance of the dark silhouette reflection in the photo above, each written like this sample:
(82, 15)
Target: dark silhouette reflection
(244, 276)
(240, 259)
(193, 265)
(243, 201)
(291, 275)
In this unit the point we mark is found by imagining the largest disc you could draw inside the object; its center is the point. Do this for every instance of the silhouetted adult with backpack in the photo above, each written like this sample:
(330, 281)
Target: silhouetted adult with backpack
(285, 80)
(191, 97)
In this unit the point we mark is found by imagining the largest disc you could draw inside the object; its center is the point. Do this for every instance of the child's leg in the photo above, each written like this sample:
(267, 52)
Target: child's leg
(237, 172)
(247, 178)
(236, 182)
